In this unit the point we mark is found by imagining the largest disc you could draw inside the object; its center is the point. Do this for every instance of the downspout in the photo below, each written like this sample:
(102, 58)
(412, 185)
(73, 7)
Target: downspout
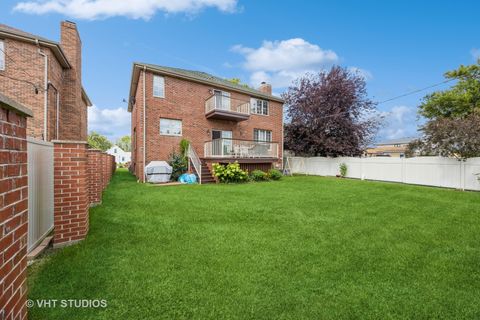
(45, 87)
(144, 121)
(57, 109)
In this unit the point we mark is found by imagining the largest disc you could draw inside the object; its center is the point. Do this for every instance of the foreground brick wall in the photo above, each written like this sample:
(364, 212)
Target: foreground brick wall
(71, 199)
(13, 215)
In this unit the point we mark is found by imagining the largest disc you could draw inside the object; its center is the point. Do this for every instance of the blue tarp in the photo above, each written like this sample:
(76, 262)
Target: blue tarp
(188, 178)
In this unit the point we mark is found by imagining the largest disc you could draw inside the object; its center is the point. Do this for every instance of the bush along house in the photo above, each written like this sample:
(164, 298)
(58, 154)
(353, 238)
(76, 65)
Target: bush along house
(223, 121)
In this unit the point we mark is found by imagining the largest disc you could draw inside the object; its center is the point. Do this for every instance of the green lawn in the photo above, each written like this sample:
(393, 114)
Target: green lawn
(299, 248)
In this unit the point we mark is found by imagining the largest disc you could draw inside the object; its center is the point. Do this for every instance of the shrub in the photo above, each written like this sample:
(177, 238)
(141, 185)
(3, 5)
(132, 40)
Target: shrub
(184, 144)
(343, 169)
(259, 175)
(179, 165)
(274, 174)
(230, 173)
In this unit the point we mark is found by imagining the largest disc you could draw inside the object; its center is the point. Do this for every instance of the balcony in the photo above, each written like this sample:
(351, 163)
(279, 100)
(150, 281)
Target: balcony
(241, 149)
(223, 107)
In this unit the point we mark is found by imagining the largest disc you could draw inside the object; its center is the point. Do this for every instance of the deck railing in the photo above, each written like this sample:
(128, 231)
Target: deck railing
(226, 103)
(234, 148)
(195, 160)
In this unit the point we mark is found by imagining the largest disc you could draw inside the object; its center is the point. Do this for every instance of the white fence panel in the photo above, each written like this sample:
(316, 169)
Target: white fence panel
(472, 173)
(434, 171)
(430, 171)
(40, 191)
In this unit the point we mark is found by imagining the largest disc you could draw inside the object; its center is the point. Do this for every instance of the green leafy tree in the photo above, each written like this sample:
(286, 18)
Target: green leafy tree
(125, 143)
(98, 141)
(459, 101)
(453, 117)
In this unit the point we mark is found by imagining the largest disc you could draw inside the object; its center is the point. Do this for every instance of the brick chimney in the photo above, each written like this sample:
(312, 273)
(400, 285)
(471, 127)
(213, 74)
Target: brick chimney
(265, 88)
(73, 113)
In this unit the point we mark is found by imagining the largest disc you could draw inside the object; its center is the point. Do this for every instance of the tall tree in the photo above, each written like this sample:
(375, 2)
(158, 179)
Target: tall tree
(98, 141)
(329, 114)
(453, 117)
(125, 143)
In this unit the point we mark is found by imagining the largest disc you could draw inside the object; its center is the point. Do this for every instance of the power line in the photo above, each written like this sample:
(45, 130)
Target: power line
(415, 91)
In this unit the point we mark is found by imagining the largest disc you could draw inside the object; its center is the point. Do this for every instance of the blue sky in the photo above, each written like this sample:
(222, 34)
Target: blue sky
(399, 46)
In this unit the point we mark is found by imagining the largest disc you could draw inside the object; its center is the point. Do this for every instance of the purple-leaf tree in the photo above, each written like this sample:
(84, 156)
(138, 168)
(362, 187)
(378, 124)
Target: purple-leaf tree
(329, 114)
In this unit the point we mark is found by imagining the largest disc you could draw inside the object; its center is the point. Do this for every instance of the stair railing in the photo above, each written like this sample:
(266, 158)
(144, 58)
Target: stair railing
(195, 160)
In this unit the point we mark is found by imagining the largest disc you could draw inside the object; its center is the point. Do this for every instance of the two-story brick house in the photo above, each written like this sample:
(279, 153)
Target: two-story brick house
(46, 77)
(223, 121)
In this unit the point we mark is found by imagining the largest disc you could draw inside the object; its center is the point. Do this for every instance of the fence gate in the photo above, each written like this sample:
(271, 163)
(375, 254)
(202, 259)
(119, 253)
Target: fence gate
(40, 191)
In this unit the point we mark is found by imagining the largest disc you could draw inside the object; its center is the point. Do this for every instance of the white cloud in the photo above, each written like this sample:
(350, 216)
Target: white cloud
(475, 54)
(136, 9)
(113, 123)
(280, 62)
(400, 122)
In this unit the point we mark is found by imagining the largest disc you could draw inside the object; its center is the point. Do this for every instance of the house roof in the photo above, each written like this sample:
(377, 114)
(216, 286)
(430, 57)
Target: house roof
(395, 141)
(13, 33)
(193, 75)
(10, 104)
(9, 32)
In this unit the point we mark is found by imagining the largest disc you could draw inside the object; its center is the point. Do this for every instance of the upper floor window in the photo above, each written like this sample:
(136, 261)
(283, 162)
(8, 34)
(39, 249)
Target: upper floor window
(158, 86)
(2, 55)
(259, 106)
(262, 135)
(170, 127)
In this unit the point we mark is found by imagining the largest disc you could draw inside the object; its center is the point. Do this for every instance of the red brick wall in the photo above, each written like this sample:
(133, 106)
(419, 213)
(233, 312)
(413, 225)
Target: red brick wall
(185, 100)
(13, 215)
(24, 64)
(137, 130)
(71, 198)
(100, 170)
(95, 183)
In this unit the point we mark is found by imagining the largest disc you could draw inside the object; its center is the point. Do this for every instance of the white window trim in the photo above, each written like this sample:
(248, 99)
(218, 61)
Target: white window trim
(265, 132)
(3, 55)
(253, 101)
(153, 86)
(171, 134)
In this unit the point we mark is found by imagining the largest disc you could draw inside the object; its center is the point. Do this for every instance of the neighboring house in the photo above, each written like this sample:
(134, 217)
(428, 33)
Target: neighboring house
(46, 77)
(224, 122)
(390, 148)
(120, 155)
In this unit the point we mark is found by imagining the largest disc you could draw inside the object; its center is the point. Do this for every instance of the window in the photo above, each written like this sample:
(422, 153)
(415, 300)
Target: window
(170, 127)
(115, 150)
(262, 135)
(2, 55)
(158, 86)
(259, 106)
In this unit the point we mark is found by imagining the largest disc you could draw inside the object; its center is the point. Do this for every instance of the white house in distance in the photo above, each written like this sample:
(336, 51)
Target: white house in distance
(120, 155)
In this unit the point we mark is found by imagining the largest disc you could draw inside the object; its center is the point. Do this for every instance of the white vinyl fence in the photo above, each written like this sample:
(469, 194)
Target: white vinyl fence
(429, 171)
(40, 191)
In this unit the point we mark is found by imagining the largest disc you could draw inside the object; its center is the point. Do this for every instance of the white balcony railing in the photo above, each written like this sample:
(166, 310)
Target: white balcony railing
(226, 103)
(233, 148)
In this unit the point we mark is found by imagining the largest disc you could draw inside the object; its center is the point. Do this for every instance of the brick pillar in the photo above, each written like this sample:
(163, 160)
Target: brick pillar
(94, 176)
(104, 171)
(13, 214)
(71, 192)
